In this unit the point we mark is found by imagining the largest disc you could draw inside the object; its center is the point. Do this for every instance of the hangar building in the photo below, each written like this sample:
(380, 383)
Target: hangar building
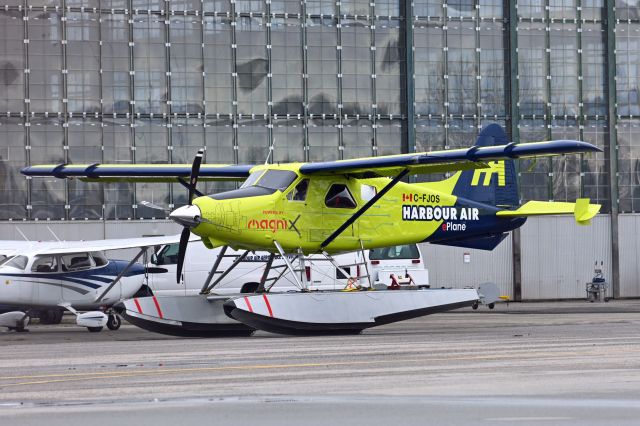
(122, 81)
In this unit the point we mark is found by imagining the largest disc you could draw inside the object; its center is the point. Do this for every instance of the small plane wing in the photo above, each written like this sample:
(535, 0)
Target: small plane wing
(139, 172)
(110, 244)
(445, 161)
(475, 157)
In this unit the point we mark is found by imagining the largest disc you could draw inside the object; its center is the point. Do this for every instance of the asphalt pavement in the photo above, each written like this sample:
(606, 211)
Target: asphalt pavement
(571, 363)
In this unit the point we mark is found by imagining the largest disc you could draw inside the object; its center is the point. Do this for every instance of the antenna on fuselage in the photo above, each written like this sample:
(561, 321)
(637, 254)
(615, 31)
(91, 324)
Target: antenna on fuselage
(268, 155)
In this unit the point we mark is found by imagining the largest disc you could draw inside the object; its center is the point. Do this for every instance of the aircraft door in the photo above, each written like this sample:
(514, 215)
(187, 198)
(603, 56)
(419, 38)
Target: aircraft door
(46, 288)
(338, 205)
(77, 285)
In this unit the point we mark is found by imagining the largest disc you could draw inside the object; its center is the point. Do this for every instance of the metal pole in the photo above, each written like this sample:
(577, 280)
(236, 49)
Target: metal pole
(410, 143)
(512, 74)
(613, 145)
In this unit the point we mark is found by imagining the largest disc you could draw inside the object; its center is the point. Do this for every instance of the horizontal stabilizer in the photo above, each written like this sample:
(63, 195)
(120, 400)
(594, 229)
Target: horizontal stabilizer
(581, 209)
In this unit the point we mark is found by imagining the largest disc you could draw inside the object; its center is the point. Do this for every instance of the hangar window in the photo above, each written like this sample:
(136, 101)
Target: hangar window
(45, 264)
(339, 197)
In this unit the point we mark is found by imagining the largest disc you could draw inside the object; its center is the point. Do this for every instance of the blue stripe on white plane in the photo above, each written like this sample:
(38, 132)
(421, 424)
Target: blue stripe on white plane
(104, 275)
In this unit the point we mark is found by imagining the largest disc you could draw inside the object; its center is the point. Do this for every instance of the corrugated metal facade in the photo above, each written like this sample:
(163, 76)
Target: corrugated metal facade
(629, 255)
(447, 267)
(558, 256)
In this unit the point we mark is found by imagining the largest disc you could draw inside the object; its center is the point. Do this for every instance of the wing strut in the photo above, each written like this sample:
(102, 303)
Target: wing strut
(225, 273)
(364, 208)
(214, 270)
(120, 275)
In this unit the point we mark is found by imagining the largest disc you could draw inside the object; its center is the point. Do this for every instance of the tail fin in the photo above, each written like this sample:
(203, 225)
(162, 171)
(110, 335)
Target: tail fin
(496, 185)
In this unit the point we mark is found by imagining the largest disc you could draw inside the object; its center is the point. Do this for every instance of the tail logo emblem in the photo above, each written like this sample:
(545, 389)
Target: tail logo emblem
(495, 167)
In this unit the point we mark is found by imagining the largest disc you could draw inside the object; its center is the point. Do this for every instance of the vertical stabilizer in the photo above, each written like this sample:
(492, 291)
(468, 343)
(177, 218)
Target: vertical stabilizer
(496, 185)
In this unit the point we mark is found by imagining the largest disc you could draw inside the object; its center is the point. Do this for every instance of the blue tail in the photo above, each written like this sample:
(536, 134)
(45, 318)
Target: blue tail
(497, 185)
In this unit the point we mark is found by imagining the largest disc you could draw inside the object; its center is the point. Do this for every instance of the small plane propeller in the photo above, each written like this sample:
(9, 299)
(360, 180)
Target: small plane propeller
(186, 231)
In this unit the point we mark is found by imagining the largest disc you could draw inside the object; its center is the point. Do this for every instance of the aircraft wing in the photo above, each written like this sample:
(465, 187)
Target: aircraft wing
(475, 157)
(107, 245)
(445, 161)
(139, 172)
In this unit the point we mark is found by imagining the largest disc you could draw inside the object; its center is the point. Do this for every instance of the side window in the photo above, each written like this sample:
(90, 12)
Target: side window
(45, 264)
(367, 192)
(299, 193)
(99, 258)
(76, 261)
(339, 197)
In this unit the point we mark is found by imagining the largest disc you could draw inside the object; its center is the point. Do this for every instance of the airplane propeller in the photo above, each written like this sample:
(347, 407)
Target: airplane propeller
(186, 231)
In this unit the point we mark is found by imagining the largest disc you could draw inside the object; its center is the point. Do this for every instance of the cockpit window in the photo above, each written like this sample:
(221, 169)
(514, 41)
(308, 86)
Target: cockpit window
(260, 183)
(45, 264)
(253, 177)
(299, 193)
(277, 179)
(18, 262)
(4, 258)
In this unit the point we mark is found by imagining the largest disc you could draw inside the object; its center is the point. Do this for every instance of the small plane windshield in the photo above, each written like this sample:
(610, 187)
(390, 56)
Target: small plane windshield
(277, 179)
(260, 183)
(253, 177)
(18, 262)
(4, 259)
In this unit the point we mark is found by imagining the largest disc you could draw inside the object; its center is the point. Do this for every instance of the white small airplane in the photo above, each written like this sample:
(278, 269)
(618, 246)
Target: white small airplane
(72, 275)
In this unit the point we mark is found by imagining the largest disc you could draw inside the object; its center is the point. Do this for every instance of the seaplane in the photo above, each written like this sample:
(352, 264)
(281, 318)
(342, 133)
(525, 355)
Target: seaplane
(295, 210)
(75, 276)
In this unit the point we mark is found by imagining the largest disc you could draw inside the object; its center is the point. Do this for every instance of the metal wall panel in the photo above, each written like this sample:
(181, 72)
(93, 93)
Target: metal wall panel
(447, 267)
(629, 226)
(86, 230)
(558, 256)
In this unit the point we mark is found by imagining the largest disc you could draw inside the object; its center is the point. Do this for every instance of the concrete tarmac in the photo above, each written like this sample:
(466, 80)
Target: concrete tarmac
(538, 363)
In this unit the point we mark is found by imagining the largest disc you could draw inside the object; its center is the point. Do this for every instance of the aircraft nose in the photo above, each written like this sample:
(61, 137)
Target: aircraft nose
(189, 216)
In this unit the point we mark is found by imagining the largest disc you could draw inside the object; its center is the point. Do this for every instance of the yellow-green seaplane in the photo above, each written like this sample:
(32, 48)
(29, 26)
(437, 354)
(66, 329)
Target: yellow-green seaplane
(298, 209)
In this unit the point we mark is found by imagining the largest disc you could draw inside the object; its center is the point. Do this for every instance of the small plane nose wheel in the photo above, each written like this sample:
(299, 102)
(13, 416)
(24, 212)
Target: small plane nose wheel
(114, 322)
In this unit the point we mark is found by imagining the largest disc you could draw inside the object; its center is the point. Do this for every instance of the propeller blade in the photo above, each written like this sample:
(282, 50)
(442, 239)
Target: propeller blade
(154, 206)
(195, 170)
(184, 240)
